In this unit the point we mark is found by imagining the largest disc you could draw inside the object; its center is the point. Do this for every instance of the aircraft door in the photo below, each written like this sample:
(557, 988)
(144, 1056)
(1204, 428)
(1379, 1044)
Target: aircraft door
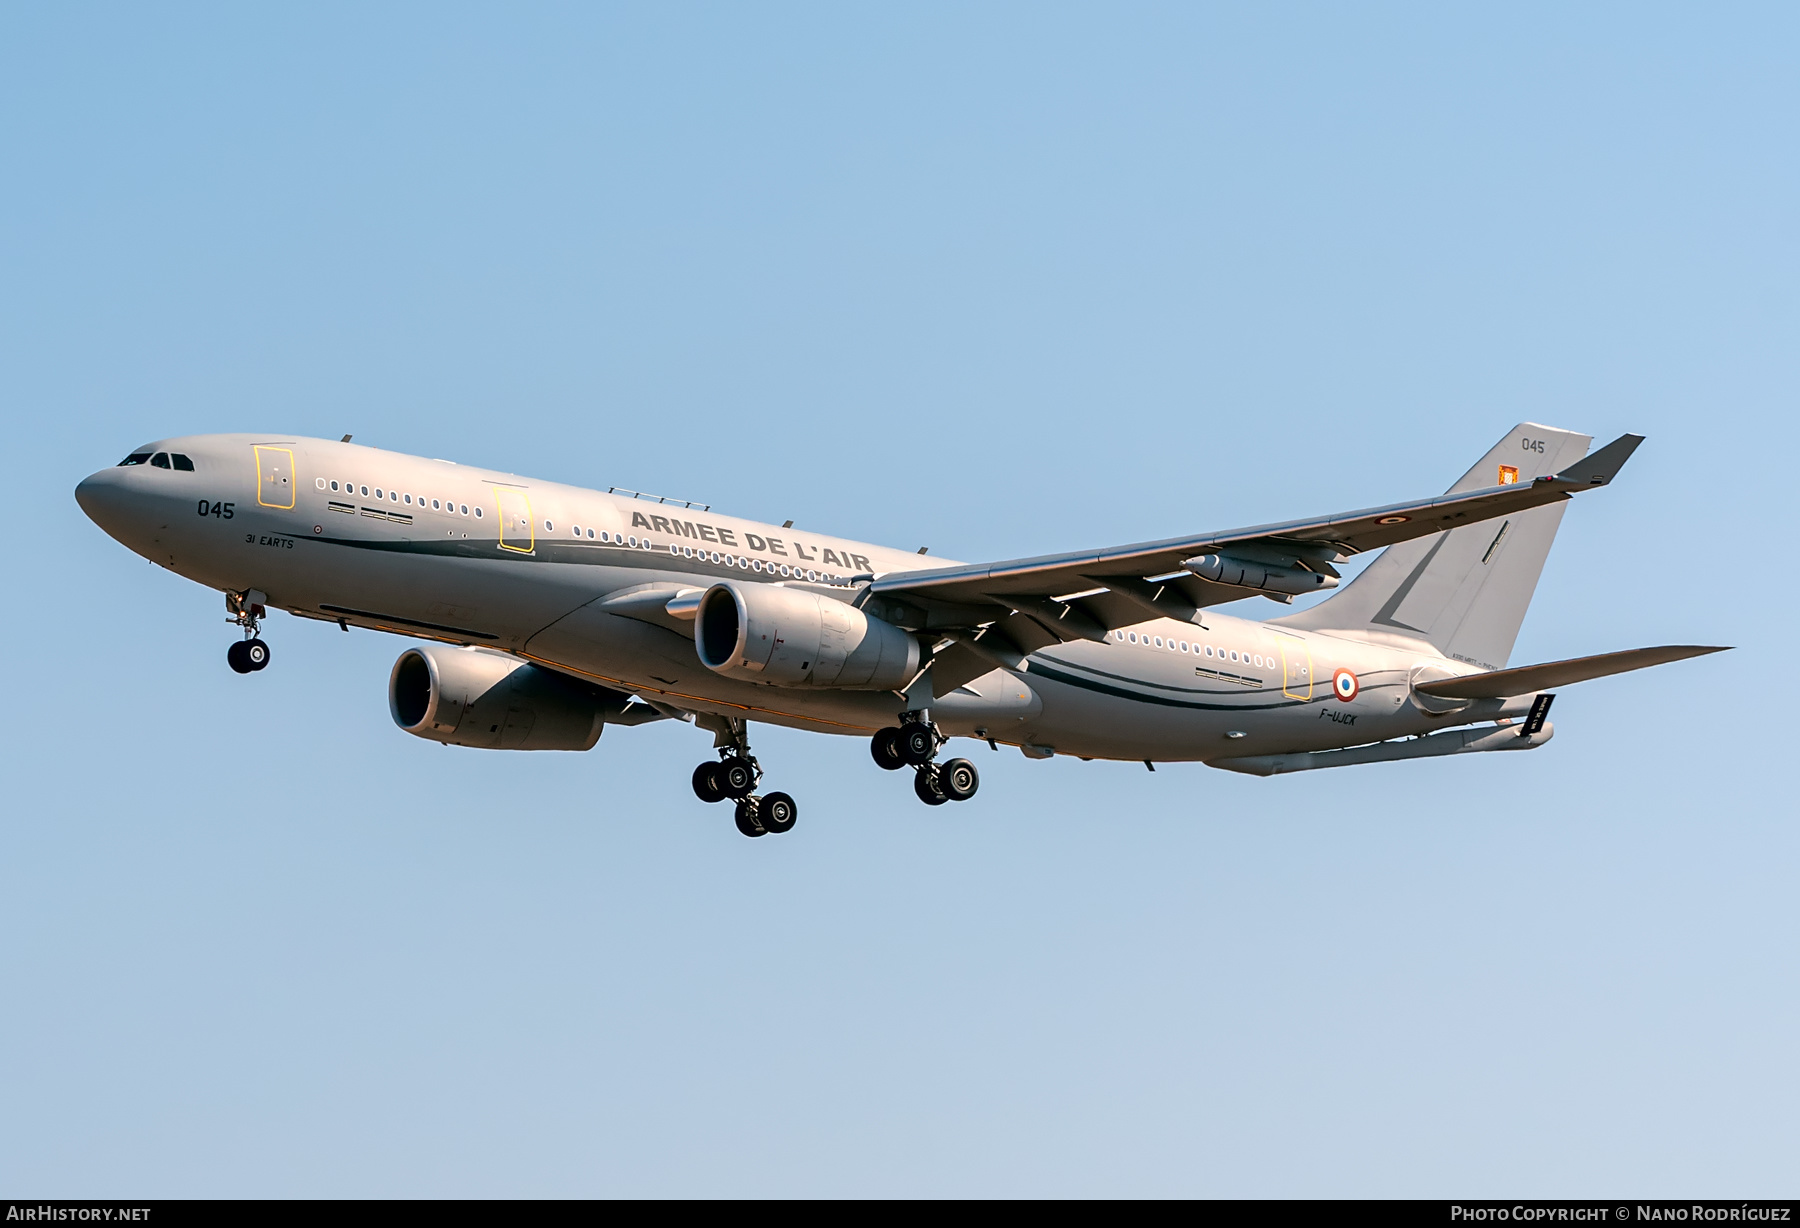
(1296, 667)
(516, 530)
(275, 484)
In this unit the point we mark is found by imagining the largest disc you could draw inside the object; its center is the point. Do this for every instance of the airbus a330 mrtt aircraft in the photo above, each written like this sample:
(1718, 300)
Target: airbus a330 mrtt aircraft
(555, 611)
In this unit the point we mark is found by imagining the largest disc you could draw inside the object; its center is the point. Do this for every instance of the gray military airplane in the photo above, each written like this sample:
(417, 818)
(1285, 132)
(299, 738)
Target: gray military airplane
(553, 611)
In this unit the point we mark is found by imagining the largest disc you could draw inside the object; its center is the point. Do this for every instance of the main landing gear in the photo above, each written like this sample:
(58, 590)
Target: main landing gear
(915, 744)
(735, 776)
(250, 653)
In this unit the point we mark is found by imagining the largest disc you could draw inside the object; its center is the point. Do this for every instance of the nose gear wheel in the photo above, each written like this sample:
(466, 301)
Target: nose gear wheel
(250, 653)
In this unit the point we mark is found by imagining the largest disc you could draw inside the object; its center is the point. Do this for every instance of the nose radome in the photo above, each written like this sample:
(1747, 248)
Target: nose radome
(103, 498)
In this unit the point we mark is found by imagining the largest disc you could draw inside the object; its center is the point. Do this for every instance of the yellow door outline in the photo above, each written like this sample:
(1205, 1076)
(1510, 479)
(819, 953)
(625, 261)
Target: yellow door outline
(514, 508)
(1296, 661)
(293, 486)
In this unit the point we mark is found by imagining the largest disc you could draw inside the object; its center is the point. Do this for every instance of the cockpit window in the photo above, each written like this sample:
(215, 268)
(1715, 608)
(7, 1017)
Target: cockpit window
(136, 458)
(160, 460)
(181, 462)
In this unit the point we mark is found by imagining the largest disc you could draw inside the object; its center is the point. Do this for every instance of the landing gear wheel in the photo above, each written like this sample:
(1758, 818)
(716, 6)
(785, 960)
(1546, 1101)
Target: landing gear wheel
(747, 821)
(737, 776)
(777, 813)
(958, 779)
(885, 747)
(257, 653)
(708, 786)
(918, 743)
(238, 657)
(929, 788)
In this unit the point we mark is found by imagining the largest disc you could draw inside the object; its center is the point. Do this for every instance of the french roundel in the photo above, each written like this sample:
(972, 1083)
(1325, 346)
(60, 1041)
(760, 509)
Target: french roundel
(1344, 684)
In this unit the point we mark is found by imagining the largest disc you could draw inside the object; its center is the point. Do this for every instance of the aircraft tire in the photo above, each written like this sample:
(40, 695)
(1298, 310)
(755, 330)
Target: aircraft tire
(238, 657)
(886, 750)
(257, 654)
(917, 744)
(737, 777)
(929, 788)
(707, 785)
(959, 780)
(777, 813)
(746, 817)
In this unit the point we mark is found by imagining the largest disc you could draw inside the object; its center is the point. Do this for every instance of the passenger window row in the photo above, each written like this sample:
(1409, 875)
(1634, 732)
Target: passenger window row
(1172, 645)
(725, 560)
(449, 507)
(159, 460)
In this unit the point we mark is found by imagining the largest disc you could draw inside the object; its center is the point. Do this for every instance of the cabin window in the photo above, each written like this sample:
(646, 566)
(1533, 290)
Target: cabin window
(465, 509)
(182, 462)
(160, 460)
(478, 511)
(548, 526)
(365, 491)
(136, 458)
(590, 533)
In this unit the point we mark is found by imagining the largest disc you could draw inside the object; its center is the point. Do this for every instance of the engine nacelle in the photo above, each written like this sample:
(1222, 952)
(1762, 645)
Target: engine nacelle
(475, 697)
(791, 637)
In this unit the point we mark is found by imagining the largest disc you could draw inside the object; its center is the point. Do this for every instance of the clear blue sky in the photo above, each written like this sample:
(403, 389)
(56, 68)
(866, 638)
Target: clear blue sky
(999, 280)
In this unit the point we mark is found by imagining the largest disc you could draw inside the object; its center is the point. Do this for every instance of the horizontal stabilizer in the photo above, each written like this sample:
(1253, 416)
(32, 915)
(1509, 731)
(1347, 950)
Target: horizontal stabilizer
(1600, 468)
(1500, 683)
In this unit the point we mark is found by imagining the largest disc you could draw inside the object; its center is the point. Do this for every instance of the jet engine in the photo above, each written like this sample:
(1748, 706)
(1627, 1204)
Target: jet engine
(792, 637)
(476, 697)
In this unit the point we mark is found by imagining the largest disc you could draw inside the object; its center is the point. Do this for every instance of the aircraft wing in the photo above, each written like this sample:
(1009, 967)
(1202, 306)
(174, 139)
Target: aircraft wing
(1083, 595)
(1502, 683)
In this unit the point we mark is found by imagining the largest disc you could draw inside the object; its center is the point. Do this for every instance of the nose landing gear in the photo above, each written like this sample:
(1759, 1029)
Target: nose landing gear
(246, 610)
(736, 776)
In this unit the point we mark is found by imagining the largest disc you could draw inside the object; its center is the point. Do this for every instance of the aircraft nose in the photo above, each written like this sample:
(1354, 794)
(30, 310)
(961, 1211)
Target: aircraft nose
(104, 498)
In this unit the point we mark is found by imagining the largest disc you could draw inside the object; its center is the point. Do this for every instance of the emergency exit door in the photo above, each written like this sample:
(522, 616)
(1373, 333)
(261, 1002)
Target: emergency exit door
(516, 530)
(274, 476)
(1296, 667)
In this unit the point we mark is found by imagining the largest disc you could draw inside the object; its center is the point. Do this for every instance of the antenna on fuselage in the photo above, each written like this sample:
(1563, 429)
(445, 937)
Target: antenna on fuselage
(345, 439)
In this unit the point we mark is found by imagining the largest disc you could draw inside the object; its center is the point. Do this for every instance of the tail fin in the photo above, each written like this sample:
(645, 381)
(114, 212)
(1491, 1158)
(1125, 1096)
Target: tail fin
(1464, 591)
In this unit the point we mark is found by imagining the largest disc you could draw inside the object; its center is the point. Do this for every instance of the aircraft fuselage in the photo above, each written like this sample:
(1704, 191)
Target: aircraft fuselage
(449, 552)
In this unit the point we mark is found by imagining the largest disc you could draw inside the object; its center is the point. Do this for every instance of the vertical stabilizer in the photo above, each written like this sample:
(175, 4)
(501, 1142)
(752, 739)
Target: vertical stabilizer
(1465, 591)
